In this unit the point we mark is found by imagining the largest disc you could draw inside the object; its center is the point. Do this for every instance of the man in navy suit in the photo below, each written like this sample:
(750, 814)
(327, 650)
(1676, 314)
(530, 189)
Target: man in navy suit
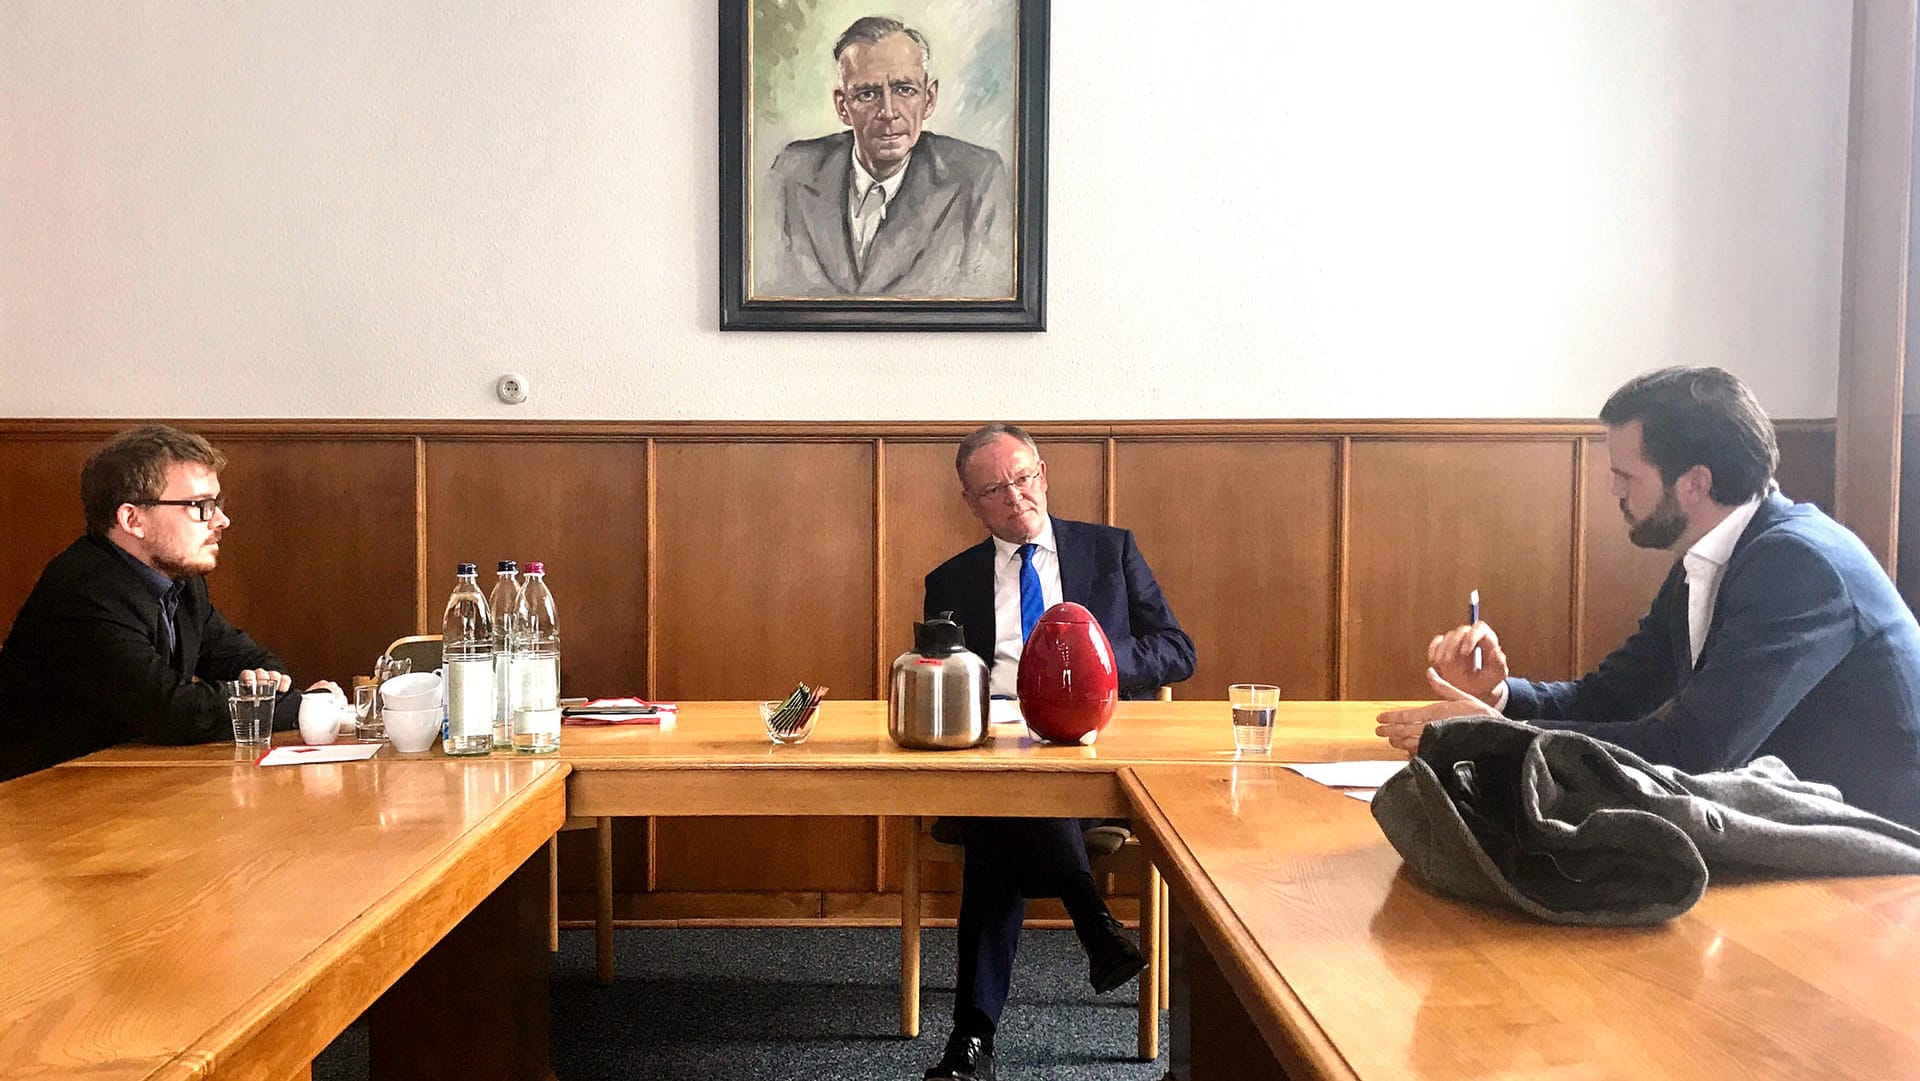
(995, 590)
(884, 208)
(1776, 633)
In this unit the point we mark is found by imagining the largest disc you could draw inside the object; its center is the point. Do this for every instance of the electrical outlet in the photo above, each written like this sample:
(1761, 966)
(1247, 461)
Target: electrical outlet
(512, 388)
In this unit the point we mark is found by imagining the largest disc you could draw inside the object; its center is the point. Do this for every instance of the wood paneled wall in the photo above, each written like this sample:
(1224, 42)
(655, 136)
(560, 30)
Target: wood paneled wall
(729, 560)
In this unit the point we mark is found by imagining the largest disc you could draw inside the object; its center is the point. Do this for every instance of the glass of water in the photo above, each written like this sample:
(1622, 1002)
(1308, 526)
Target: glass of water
(250, 704)
(1254, 705)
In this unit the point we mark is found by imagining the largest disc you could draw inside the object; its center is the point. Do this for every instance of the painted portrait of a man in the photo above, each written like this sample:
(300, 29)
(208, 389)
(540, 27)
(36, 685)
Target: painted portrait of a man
(906, 190)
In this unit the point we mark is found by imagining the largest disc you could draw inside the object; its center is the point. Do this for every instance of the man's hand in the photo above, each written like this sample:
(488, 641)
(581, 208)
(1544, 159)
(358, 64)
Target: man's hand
(1451, 655)
(279, 680)
(1402, 727)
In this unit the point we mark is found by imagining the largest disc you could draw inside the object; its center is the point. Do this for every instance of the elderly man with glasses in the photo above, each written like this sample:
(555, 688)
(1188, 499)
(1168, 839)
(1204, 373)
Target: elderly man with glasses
(118, 639)
(996, 590)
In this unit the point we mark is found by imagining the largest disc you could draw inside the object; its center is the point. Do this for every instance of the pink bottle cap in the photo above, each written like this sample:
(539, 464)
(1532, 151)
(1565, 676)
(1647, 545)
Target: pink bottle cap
(533, 567)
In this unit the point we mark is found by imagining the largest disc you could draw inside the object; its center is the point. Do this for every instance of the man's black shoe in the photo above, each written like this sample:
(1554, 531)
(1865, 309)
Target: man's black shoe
(1112, 958)
(967, 1058)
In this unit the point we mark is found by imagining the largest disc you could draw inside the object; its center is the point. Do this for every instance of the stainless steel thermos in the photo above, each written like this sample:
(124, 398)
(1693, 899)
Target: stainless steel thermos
(938, 696)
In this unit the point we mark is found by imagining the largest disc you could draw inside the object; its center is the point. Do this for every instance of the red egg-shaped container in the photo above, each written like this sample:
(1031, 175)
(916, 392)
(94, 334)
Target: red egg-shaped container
(1068, 682)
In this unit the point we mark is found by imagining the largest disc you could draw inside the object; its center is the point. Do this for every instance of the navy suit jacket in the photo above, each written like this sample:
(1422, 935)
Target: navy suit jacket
(87, 664)
(947, 233)
(1101, 569)
(1811, 656)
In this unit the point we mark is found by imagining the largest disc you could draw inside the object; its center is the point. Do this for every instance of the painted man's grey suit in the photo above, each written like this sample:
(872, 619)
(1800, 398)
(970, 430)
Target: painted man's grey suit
(947, 233)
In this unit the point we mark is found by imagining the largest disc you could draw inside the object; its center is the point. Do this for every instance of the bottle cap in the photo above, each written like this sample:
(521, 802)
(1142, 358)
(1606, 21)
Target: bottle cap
(466, 569)
(507, 566)
(534, 566)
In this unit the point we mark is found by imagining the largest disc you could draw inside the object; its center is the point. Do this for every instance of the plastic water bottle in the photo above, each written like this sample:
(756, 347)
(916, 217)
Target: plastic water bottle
(536, 714)
(466, 651)
(506, 605)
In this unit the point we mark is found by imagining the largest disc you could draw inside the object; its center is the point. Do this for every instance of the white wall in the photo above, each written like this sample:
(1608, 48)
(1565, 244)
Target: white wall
(1301, 208)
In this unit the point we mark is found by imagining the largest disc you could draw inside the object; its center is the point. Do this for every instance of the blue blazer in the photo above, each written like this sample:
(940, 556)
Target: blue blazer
(1101, 569)
(1812, 656)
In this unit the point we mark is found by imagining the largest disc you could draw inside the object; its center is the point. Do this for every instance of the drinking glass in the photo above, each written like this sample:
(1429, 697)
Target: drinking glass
(366, 713)
(1254, 705)
(250, 704)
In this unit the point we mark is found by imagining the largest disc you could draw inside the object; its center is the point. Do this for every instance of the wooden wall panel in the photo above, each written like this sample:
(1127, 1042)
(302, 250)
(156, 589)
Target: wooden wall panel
(579, 507)
(1240, 536)
(40, 506)
(1806, 472)
(1620, 578)
(1431, 521)
(766, 569)
(318, 563)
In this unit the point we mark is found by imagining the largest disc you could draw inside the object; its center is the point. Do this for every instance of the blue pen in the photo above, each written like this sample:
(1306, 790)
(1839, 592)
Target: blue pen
(1473, 616)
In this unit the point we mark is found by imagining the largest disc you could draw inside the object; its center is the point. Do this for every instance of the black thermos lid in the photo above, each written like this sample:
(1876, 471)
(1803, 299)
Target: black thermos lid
(939, 637)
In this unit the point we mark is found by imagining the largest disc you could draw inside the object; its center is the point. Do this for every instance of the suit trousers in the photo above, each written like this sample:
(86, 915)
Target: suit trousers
(1008, 861)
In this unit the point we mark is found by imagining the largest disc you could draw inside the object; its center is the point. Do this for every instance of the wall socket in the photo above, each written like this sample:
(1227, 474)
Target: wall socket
(512, 388)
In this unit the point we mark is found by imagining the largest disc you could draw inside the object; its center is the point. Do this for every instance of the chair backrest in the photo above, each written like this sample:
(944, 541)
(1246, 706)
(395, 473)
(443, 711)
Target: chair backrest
(422, 649)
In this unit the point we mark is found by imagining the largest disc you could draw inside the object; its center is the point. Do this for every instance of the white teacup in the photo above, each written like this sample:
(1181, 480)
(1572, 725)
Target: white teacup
(412, 730)
(416, 690)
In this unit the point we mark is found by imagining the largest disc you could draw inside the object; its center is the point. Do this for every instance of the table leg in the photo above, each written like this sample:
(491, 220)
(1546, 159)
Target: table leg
(475, 1007)
(909, 927)
(1213, 1038)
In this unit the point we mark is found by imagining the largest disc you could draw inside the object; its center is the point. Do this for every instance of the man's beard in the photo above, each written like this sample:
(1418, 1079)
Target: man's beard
(174, 564)
(1662, 526)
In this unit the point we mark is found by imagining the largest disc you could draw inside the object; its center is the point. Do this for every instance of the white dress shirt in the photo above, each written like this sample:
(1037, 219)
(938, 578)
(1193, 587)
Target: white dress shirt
(1705, 563)
(865, 215)
(1003, 679)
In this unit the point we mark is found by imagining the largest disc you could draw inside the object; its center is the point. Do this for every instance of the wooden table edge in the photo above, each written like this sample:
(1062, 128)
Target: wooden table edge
(510, 824)
(1290, 1029)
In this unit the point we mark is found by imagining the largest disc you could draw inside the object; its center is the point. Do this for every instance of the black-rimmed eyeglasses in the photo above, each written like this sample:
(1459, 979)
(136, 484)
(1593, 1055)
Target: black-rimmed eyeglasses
(201, 509)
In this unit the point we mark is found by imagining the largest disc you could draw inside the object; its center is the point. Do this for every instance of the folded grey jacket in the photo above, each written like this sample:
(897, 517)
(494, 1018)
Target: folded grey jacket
(1574, 830)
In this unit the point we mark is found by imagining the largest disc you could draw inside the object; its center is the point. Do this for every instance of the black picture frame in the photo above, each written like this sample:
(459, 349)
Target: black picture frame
(740, 309)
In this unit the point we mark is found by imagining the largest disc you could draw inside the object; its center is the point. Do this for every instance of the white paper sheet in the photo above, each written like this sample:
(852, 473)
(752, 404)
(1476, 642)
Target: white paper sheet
(1004, 711)
(1348, 774)
(310, 756)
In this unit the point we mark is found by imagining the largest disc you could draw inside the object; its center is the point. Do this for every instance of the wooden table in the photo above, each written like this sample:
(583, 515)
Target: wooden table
(717, 760)
(1306, 949)
(230, 922)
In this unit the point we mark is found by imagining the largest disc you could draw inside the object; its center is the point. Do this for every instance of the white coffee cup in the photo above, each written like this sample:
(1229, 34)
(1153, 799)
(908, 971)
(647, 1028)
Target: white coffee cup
(412, 730)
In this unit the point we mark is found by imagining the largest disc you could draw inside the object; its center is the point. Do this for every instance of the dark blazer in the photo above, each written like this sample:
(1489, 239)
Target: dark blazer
(1811, 656)
(86, 664)
(947, 233)
(1101, 569)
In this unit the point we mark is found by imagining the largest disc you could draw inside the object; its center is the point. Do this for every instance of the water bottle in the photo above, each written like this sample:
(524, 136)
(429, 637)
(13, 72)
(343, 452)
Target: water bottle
(536, 714)
(466, 652)
(506, 605)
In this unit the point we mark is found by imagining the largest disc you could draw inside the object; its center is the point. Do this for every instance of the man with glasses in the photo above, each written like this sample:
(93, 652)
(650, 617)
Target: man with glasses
(995, 589)
(118, 639)
(884, 207)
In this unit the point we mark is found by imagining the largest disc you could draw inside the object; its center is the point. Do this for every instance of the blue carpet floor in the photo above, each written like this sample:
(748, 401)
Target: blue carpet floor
(783, 1003)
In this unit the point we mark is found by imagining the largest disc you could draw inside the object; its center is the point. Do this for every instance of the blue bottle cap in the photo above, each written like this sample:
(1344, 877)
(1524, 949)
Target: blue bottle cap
(508, 566)
(466, 568)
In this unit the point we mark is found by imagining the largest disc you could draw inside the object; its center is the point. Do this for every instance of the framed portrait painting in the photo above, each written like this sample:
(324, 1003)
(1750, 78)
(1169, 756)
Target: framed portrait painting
(883, 166)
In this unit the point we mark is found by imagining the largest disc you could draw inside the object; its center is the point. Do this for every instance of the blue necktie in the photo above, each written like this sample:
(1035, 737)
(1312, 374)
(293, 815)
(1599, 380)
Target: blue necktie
(1032, 601)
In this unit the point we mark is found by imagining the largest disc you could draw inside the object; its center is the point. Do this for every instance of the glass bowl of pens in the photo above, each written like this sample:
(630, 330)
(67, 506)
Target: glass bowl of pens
(791, 720)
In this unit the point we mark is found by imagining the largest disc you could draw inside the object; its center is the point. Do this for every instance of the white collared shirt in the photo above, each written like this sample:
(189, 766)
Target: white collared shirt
(1705, 563)
(1007, 643)
(864, 217)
